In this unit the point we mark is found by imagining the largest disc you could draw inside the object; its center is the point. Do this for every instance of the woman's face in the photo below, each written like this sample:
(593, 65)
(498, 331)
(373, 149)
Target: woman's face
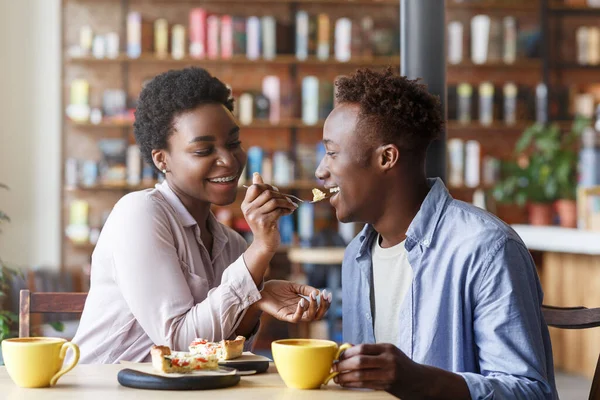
(204, 158)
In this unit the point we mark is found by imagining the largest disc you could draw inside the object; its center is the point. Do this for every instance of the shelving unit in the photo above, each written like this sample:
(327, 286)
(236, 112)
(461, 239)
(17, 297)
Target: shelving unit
(238, 71)
(561, 69)
(243, 74)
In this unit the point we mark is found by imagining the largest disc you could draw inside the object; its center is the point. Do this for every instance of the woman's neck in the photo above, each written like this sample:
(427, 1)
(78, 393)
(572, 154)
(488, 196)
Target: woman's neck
(199, 210)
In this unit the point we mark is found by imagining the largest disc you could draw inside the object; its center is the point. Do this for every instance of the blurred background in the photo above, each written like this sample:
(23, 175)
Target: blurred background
(522, 135)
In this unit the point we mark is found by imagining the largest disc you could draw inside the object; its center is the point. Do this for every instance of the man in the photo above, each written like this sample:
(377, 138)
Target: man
(442, 297)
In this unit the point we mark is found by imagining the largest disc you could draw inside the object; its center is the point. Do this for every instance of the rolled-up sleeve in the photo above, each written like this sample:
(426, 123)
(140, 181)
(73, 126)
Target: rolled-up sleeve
(513, 343)
(149, 274)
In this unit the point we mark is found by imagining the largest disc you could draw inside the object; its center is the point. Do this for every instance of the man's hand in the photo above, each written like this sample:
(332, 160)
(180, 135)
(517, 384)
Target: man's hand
(384, 367)
(281, 300)
(373, 366)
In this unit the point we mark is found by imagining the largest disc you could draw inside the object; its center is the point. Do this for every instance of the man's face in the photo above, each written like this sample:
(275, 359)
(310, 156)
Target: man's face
(349, 164)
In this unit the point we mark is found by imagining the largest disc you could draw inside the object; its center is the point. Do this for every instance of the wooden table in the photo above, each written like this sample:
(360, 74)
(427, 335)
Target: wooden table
(99, 382)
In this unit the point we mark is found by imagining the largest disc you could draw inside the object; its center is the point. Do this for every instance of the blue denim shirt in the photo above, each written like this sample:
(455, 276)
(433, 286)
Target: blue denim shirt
(474, 304)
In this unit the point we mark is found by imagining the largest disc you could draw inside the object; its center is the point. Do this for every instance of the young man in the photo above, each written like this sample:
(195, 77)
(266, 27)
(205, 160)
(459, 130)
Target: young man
(442, 297)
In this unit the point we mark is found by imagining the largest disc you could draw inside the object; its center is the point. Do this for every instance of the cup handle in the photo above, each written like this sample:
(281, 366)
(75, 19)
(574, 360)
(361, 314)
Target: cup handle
(343, 347)
(63, 352)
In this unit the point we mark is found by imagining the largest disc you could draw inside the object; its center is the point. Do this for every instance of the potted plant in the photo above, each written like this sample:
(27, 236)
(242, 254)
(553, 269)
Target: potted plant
(529, 179)
(7, 317)
(565, 170)
(544, 175)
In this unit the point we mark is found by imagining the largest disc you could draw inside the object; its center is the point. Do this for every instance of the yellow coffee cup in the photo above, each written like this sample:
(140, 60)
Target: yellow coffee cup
(306, 363)
(36, 362)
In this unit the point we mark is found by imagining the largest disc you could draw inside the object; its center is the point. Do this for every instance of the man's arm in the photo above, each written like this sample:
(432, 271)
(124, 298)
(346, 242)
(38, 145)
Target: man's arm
(511, 338)
(384, 367)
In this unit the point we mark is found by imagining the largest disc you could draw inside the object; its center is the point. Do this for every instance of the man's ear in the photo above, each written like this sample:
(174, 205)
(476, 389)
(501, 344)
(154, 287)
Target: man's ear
(160, 159)
(388, 156)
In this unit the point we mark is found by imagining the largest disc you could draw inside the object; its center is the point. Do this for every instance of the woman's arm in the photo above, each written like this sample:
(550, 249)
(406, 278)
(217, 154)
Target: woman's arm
(262, 207)
(147, 270)
(249, 322)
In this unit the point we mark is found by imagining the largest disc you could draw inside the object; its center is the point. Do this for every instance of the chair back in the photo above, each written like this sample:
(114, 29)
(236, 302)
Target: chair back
(576, 318)
(47, 302)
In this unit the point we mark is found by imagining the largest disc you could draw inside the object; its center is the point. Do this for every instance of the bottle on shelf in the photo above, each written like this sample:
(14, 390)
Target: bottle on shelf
(541, 104)
(589, 164)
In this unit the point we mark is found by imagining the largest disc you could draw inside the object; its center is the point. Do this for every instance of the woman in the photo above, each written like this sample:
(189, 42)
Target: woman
(165, 271)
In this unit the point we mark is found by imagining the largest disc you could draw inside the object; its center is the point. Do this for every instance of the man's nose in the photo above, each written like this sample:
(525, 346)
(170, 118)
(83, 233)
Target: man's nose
(321, 172)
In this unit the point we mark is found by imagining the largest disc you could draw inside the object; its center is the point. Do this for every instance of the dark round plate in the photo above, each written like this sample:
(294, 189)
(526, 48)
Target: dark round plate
(140, 380)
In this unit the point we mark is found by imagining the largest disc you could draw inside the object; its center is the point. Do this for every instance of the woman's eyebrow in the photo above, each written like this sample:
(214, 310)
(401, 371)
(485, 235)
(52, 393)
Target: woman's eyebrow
(203, 139)
(210, 138)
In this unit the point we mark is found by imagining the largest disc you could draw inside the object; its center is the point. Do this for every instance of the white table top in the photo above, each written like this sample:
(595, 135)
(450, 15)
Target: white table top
(99, 382)
(559, 240)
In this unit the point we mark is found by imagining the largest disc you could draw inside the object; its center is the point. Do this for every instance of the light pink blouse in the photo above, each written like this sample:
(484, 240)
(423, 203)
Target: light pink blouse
(154, 282)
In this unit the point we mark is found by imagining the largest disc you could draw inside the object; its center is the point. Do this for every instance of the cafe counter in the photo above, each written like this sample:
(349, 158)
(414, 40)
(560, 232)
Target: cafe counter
(570, 276)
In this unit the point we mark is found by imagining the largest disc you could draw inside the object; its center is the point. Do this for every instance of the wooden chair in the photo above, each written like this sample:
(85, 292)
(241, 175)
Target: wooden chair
(576, 318)
(47, 303)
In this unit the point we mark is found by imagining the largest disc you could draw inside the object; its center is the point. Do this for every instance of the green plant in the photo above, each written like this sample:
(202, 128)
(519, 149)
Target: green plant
(545, 165)
(7, 318)
(7, 274)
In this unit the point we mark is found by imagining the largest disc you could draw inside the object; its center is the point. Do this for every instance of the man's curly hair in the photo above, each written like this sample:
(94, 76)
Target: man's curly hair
(168, 95)
(393, 108)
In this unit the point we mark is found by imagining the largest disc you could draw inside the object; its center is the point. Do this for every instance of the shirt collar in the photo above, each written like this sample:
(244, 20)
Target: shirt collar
(183, 214)
(186, 219)
(423, 226)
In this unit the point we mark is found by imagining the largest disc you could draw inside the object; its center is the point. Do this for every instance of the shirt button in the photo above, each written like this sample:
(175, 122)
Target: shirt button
(368, 316)
(426, 242)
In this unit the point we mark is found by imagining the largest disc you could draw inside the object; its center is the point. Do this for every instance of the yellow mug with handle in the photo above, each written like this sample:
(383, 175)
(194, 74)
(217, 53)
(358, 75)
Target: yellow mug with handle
(36, 361)
(306, 363)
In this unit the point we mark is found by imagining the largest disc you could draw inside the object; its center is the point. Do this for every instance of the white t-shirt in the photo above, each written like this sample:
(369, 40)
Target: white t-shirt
(392, 278)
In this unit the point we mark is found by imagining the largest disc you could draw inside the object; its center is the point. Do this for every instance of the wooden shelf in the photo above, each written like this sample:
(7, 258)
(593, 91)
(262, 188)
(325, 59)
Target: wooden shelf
(103, 124)
(348, 2)
(495, 126)
(115, 188)
(518, 64)
(318, 2)
(576, 66)
(81, 246)
(494, 5)
(559, 9)
(285, 59)
(498, 132)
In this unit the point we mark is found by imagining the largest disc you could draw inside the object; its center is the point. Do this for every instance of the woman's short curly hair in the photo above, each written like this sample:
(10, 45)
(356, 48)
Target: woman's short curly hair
(168, 95)
(393, 108)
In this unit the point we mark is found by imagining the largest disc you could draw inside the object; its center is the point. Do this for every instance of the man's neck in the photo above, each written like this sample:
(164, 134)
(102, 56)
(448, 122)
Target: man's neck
(400, 208)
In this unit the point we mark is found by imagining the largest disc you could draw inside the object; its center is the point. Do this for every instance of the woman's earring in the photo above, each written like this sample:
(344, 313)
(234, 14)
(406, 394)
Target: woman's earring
(164, 171)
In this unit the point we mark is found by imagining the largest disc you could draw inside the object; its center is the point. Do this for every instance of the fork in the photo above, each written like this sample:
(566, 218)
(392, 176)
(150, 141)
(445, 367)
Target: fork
(286, 195)
(327, 196)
